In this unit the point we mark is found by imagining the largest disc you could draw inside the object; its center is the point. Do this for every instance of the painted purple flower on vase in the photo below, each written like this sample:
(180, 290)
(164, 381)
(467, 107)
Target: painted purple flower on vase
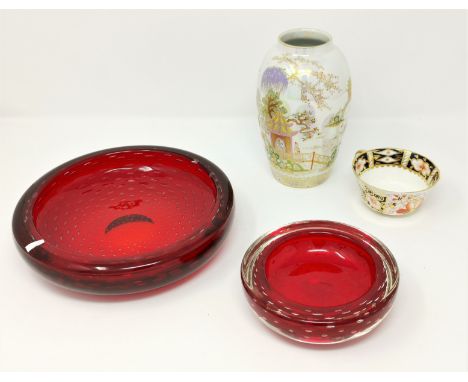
(274, 78)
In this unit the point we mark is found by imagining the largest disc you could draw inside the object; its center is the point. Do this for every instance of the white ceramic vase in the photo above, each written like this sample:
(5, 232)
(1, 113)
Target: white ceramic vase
(304, 89)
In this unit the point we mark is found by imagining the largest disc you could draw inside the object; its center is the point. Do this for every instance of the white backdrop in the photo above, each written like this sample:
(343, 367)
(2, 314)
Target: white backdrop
(75, 82)
(205, 63)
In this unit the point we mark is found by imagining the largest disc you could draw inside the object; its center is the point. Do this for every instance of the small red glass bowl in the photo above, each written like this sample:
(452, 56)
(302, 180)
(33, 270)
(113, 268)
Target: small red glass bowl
(124, 220)
(319, 282)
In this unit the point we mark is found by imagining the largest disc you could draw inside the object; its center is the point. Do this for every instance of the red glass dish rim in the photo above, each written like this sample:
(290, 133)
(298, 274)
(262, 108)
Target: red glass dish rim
(268, 239)
(26, 233)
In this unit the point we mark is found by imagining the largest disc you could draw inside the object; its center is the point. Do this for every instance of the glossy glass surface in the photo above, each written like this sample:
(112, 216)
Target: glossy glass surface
(320, 270)
(124, 220)
(320, 282)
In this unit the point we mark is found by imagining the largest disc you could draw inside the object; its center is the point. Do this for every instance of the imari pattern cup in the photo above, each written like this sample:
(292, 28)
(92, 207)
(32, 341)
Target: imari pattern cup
(394, 181)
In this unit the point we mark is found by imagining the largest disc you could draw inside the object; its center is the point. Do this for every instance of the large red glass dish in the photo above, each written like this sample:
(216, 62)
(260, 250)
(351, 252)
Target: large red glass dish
(320, 282)
(124, 220)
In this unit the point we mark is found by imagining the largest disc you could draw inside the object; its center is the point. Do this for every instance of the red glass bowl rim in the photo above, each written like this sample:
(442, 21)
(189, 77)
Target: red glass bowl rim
(268, 239)
(26, 233)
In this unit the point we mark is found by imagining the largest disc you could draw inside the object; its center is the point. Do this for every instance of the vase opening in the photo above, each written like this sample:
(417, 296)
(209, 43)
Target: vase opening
(304, 38)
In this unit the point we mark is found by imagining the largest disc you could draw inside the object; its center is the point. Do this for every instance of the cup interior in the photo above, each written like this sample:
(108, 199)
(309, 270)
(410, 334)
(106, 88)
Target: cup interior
(395, 170)
(394, 179)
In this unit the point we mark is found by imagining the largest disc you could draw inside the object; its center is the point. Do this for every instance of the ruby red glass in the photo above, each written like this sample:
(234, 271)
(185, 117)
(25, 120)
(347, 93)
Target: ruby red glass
(320, 282)
(124, 220)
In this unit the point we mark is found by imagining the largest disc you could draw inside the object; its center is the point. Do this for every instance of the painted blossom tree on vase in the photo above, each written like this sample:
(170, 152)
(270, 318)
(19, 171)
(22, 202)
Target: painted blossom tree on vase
(317, 86)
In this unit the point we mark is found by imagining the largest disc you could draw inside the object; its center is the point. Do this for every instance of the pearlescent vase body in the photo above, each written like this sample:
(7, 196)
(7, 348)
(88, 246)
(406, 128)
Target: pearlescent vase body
(303, 93)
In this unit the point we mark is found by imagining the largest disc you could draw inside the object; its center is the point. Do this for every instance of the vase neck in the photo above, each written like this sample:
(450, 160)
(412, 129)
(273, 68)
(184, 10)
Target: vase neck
(305, 41)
